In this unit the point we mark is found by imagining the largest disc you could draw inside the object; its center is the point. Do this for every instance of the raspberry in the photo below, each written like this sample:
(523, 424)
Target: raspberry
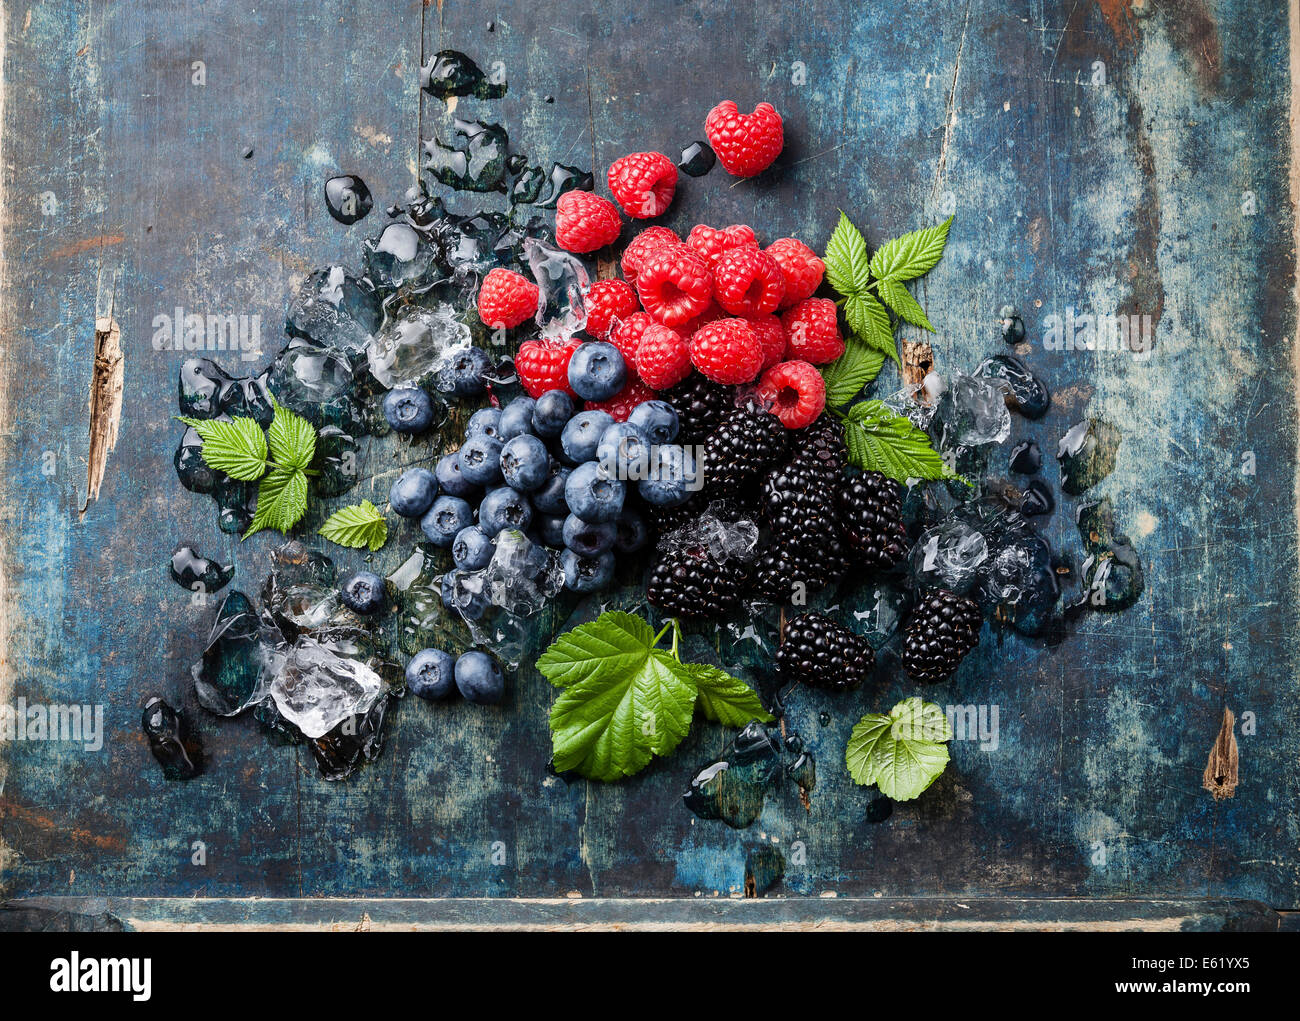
(797, 392)
(800, 267)
(710, 315)
(674, 284)
(643, 183)
(727, 351)
(711, 243)
(626, 334)
(662, 357)
(607, 300)
(585, 222)
(506, 299)
(746, 143)
(621, 404)
(747, 282)
(641, 246)
(771, 335)
(813, 332)
(544, 365)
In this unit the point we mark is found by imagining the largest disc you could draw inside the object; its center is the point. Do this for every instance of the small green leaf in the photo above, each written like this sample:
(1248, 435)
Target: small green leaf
(356, 526)
(880, 440)
(614, 643)
(281, 500)
(848, 374)
(236, 447)
(725, 699)
(869, 319)
(292, 439)
(901, 301)
(912, 255)
(902, 753)
(847, 264)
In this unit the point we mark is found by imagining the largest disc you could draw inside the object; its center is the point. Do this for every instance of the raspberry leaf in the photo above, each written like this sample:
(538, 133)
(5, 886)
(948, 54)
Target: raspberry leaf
(898, 298)
(360, 525)
(880, 440)
(615, 643)
(848, 374)
(292, 439)
(725, 699)
(902, 753)
(869, 319)
(912, 255)
(281, 500)
(236, 447)
(846, 260)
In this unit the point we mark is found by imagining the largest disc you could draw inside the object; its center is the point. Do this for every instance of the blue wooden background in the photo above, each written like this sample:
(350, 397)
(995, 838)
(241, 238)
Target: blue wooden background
(1101, 155)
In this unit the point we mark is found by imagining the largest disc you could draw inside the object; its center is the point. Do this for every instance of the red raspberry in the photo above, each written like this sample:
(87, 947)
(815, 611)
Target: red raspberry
(796, 391)
(746, 143)
(710, 315)
(711, 243)
(506, 299)
(621, 404)
(662, 357)
(643, 183)
(800, 267)
(813, 332)
(627, 333)
(727, 351)
(674, 284)
(544, 365)
(771, 335)
(641, 245)
(585, 222)
(747, 282)
(607, 300)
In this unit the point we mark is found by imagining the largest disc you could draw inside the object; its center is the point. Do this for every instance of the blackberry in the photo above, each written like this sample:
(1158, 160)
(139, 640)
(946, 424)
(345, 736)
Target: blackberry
(740, 450)
(784, 565)
(687, 582)
(817, 651)
(944, 627)
(820, 446)
(700, 405)
(871, 514)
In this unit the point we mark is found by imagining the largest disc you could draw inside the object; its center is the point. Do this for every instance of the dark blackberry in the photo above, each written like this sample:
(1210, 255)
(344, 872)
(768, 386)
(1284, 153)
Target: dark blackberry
(871, 515)
(687, 582)
(817, 651)
(669, 519)
(740, 450)
(700, 405)
(783, 566)
(798, 505)
(943, 628)
(821, 446)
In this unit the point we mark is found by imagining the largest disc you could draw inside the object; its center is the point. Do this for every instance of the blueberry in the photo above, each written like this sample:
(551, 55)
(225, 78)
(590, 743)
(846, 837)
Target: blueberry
(517, 418)
(447, 516)
(596, 371)
(479, 678)
(582, 435)
(486, 422)
(657, 419)
(633, 533)
(504, 508)
(525, 462)
(472, 548)
(464, 592)
(623, 452)
(672, 477)
(450, 480)
(408, 409)
(550, 530)
(587, 574)
(413, 493)
(431, 674)
(593, 495)
(552, 410)
(362, 591)
(549, 496)
(480, 460)
(588, 540)
(464, 371)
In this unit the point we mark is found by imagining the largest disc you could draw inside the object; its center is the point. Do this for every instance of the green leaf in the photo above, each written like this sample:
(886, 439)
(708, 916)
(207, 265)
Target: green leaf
(356, 526)
(901, 301)
(902, 753)
(869, 319)
(847, 264)
(614, 643)
(292, 439)
(850, 372)
(880, 440)
(281, 500)
(912, 255)
(236, 447)
(725, 699)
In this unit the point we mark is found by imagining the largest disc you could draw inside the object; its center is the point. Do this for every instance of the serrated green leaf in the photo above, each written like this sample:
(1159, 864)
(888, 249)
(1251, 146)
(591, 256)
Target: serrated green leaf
(902, 753)
(725, 699)
(614, 643)
(912, 255)
(359, 525)
(847, 263)
(236, 447)
(869, 319)
(898, 298)
(292, 439)
(880, 440)
(848, 374)
(281, 500)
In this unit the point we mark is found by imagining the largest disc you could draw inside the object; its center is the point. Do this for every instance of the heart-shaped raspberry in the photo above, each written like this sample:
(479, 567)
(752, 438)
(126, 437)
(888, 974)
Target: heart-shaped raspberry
(746, 143)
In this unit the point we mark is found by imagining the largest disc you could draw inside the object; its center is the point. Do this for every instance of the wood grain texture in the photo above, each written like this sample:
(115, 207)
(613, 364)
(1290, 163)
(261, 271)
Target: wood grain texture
(1122, 187)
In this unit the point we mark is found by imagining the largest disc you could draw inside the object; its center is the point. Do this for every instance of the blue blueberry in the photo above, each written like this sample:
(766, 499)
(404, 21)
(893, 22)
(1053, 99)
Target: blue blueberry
(588, 540)
(587, 574)
(549, 496)
(447, 516)
(480, 460)
(450, 479)
(525, 462)
(485, 421)
(408, 409)
(671, 479)
(550, 530)
(596, 371)
(657, 419)
(431, 674)
(464, 371)
(479, 678)
(504, 508)
(552, 410)
(593, 495)
(362, 591)
(581, 436)
(464, 592)
(623, 452)
(413, 493)
(472, 549)
(517, 418)
(633, 533)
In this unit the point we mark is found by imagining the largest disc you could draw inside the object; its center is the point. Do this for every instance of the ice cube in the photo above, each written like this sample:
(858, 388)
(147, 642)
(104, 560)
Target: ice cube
(522, 576)
(948, 555)
(334, 309)
(974, 413)
(316, 689)
(563, 280)
(414, 345)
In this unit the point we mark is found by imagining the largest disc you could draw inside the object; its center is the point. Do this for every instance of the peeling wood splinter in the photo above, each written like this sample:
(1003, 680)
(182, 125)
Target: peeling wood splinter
(105, 403)
(1221, 770)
